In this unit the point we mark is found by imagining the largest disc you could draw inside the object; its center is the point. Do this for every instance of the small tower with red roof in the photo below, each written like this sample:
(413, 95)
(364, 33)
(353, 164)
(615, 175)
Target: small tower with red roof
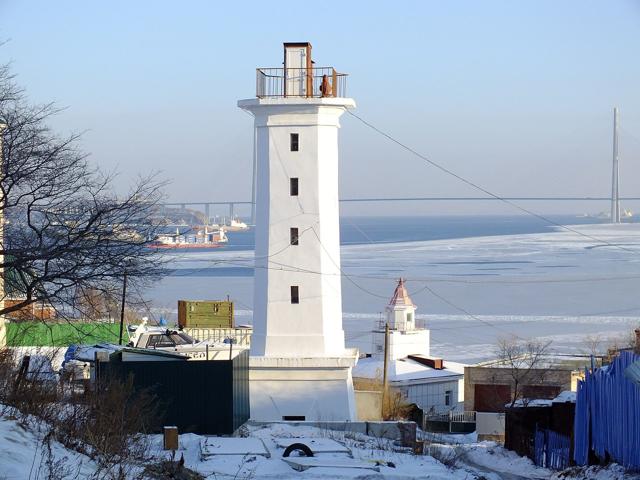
(401, 311)
(405, 338)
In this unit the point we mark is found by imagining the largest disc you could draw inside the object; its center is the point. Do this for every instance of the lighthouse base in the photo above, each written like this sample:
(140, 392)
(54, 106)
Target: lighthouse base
(312, 389)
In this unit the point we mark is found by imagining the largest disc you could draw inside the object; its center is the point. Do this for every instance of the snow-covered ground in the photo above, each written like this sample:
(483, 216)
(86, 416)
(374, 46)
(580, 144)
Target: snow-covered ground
(24, 454)
(369, 452)
(258, 454)
(495, 462)
(560, 285)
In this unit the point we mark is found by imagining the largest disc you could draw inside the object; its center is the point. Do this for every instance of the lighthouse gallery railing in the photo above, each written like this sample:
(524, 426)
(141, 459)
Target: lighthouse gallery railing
(300, 82)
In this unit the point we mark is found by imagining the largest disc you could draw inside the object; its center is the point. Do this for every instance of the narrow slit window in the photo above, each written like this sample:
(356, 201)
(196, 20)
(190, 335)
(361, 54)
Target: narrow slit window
(294, 418)
(293, 187)
(293, 234)
(295, 142)
(295, 297)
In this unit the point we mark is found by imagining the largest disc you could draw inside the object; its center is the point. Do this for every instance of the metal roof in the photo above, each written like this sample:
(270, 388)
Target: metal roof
(401, 296)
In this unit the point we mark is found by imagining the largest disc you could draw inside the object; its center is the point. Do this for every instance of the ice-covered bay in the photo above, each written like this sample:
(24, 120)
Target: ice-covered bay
(560, 286)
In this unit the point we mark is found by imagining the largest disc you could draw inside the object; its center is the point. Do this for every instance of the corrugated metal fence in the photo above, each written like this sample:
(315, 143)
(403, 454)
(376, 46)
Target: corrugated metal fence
(552, 449)
(199, 396)
(607, 418)
(541, 433)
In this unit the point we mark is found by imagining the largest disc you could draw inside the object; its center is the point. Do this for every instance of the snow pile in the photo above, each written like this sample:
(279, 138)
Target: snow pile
(565, 396)
(371, 453)
(493, 457)
(610, 472)
(26, 453)
(494, 461)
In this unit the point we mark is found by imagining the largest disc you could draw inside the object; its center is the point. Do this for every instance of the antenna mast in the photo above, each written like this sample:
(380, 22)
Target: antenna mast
(615, 176)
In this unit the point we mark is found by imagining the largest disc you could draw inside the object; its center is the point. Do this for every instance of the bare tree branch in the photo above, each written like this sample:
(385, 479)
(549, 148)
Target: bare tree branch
(524, 361)
(67, 235)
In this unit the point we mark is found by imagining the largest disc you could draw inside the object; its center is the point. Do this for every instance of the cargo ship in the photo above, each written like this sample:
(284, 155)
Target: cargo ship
(624, 213)
(232, 224)
(202, 237)
(237, 224)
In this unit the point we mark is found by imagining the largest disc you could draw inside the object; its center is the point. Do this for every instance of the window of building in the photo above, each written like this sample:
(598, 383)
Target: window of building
(295, 297)
(294, 418)
(295, 142)
(447, 397)
(293, 235)
(293, 187)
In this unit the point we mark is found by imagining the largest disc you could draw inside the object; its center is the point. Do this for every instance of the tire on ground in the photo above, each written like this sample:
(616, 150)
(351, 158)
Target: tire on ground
(300, 447)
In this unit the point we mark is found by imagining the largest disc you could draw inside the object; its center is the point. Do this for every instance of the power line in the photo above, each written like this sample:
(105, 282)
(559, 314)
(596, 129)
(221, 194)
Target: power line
(469, 314)
(245, 263)
(629, 134)
(145, 304)
(426, 287)
(482, 189)
(342, 272)
(478, 199)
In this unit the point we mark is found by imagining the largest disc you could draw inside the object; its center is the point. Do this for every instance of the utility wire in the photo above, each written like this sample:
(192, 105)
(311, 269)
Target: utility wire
(466, 312)
(240, 262)
(337, 265)
(629, 134)
(460, 178)
(484, 190)
(426, 287)
(145, 304)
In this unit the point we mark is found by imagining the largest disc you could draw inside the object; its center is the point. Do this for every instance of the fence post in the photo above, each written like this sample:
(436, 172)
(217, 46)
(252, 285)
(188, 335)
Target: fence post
(171, 438)
(334, 81)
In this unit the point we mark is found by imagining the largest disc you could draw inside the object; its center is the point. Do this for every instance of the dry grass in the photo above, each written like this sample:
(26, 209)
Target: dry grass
(395, 406)
(109, 424)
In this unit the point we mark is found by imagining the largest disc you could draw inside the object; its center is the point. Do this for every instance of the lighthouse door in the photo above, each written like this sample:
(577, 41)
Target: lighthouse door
(295, 70)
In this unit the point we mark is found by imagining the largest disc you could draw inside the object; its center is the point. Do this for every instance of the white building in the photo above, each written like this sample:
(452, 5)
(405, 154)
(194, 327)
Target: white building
(299, 368)
(431, 383)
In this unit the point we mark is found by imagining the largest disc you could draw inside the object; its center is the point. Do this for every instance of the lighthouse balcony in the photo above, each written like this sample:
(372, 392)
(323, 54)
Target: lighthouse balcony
(300, 82)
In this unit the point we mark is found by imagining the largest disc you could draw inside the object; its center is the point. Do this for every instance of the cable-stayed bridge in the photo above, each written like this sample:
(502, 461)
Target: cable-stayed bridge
(206, 207)
(614, 198)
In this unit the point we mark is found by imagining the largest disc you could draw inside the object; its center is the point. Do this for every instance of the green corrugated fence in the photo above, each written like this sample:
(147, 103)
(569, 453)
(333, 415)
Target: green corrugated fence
(39, 334)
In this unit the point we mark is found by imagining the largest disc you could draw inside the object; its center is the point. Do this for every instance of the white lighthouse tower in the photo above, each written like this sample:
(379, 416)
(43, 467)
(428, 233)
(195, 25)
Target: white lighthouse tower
(299, 367)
